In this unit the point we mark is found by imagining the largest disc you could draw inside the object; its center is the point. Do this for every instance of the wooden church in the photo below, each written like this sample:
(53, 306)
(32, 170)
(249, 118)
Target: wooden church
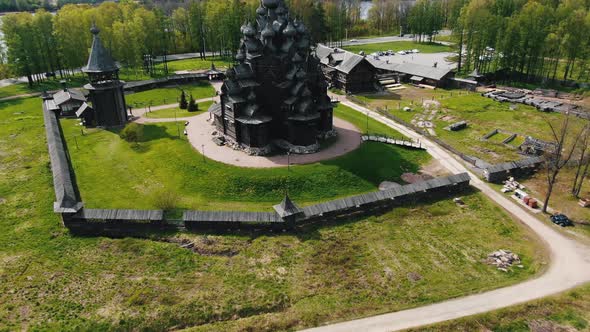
(276, 94)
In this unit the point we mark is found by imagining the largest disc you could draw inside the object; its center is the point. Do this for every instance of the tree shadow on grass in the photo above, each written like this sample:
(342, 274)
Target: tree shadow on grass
(376, 162)
(151, 132)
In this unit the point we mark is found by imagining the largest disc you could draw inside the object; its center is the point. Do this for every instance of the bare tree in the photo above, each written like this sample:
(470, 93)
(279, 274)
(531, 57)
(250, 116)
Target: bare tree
(583, 161)
(556, 160)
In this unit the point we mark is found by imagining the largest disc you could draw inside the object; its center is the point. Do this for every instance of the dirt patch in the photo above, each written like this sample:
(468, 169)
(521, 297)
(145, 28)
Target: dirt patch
(541, 325)
(434, 169)
(413, 276)
(2, 200)
(414, 178)
(205, 246)
(386, 185)
(448, 118)
(431, 104)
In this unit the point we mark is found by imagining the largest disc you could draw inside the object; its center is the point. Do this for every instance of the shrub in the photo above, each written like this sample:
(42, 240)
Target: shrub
(133, 132)
(183, 104)
(192, 105)
(165, 199)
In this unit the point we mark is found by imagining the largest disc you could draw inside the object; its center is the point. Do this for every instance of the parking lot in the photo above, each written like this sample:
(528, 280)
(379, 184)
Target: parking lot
(425, 59)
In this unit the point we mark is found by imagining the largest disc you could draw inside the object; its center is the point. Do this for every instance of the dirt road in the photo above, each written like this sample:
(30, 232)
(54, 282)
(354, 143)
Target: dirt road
(569, 266)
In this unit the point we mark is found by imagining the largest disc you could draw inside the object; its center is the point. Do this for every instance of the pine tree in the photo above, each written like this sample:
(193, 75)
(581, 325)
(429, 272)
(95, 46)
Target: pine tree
(192, 105)
(183, 104)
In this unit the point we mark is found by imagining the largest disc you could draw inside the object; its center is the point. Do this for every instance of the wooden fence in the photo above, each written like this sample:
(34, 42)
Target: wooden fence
(123, 222)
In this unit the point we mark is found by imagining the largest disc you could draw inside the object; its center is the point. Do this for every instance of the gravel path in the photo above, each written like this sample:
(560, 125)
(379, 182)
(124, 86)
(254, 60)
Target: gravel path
(569, 266)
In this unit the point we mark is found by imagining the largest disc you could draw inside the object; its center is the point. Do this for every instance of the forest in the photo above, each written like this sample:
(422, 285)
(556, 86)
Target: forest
(541, 39)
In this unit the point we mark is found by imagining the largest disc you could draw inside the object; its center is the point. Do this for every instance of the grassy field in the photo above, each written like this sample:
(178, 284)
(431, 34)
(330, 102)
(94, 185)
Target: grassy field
(23, 88)
(195, 64)
(176, 111)
(399, 46)
(561, 199)
(125, 74)
(569, 311)
(482, 114)
(360, 121)
(164, 162)
(52, 280)
(170, 95)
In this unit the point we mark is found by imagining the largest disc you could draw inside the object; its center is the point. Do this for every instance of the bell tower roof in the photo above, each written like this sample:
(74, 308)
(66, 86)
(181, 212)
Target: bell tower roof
(99, 61)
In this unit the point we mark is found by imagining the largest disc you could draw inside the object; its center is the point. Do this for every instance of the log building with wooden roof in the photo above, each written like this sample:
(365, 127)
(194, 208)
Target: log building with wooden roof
(276, 95)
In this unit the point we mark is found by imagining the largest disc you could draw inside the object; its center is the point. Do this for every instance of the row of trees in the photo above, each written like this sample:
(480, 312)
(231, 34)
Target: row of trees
(538, 38)
(44, 43)
(426, 18)
(32, 5)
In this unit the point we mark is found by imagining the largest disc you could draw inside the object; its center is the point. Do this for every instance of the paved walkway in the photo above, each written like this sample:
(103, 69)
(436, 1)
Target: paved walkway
(569, 266)
(139, 113)
(199, 132)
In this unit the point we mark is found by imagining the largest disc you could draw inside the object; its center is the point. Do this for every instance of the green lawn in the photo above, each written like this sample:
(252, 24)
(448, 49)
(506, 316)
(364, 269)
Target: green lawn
(482, 114)
(195, 64)
(170, 95)
(23, 88)
(137, 173)
(52, 280)
(399, 46)
(568, 311)
(360, 121)
(176, 111)
(125, 74)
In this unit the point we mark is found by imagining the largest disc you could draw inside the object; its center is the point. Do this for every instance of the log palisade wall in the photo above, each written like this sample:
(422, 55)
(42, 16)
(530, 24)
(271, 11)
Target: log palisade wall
(120, 222)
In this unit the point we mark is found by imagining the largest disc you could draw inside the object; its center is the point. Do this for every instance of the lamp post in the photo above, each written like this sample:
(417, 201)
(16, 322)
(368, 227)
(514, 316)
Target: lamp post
(367, 123)
(289, 161)
(176, 121)
(166, 51)
(203, 149)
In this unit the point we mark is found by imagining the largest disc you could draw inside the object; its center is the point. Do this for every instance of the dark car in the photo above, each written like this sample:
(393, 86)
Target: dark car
(561, 220)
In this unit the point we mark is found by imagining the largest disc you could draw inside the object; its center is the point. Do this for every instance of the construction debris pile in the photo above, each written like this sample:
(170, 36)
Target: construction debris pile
(511, 185)
(503, 259)
(542, 103)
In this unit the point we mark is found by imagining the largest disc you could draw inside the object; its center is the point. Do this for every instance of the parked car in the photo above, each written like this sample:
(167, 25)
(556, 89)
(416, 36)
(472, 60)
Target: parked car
(401, 53)
(415, 50)
(353, 40)
(561, 220)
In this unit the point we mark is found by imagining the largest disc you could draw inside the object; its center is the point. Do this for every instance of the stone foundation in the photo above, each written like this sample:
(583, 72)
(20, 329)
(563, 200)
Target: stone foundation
(252, 151)
(281, 144)
(298, 149)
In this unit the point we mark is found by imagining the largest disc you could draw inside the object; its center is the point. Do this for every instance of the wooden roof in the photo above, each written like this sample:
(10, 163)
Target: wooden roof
(358, 200)
(120, 214)
(287, 208)
(100, 60)
(231, 216)
(67, 199)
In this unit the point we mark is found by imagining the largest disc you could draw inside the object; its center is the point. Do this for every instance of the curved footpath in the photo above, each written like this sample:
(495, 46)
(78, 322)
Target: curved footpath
(199, 131)
(569, 266)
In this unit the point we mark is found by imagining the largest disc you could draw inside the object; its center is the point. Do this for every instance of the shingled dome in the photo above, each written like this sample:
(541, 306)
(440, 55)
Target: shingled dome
(100, 60)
